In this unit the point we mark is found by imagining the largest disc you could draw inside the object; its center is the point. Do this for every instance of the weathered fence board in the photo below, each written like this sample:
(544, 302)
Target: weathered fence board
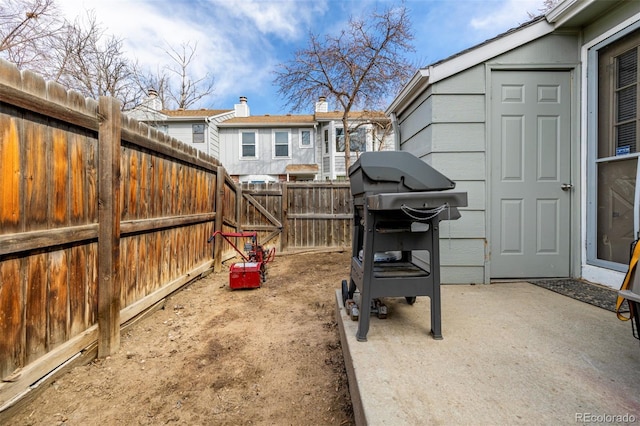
(36, 307)
(301, 215)
(100, 218)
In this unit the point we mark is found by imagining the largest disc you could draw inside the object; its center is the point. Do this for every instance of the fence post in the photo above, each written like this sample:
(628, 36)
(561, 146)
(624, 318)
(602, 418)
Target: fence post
(239, 204)
(109, 284)
(284, 232)
(217, 242)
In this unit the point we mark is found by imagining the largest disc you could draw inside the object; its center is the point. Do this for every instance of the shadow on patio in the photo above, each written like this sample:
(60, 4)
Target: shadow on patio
(512, 353)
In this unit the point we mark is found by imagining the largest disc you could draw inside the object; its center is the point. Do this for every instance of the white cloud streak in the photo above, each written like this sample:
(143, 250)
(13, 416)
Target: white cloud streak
(241, 41)
(508, 14)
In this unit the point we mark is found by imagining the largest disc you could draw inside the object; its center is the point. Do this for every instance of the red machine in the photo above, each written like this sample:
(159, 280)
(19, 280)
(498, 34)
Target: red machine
(253, 271)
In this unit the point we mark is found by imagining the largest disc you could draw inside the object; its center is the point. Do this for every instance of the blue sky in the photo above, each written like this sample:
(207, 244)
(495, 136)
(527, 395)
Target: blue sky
(242, 41)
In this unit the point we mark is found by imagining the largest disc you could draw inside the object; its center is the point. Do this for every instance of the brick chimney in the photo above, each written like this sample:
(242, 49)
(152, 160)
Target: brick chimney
(322, 105)
(242, 109)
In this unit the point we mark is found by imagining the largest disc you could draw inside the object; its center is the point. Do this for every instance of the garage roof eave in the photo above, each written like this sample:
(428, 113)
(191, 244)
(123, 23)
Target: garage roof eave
(467, 59)
(415, 86)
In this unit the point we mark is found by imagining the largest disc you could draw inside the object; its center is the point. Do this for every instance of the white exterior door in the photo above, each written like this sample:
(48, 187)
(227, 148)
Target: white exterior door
(530, 174)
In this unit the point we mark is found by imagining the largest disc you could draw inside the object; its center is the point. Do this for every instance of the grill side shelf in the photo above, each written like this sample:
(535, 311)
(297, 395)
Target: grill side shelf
(416, 200)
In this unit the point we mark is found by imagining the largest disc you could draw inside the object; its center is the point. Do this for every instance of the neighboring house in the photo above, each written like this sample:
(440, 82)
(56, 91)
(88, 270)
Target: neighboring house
(369, 131)
(540, 126)
(270, 148)
(197, 128)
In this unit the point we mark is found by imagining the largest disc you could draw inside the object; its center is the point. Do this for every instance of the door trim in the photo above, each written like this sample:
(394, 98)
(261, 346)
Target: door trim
(577, 154)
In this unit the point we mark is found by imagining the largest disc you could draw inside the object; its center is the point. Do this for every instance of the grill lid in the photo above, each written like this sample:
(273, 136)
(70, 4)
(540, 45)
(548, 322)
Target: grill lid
(395, 171)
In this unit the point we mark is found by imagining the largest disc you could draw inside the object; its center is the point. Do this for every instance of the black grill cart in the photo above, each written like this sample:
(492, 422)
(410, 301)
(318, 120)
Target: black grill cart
(398, 201)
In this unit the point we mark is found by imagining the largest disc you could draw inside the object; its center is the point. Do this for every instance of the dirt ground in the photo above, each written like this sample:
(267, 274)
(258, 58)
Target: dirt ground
(214, 356)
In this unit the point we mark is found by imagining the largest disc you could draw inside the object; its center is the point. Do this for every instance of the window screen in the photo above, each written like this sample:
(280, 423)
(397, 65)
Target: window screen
(198, 133)
(248, 144)
(281, 144)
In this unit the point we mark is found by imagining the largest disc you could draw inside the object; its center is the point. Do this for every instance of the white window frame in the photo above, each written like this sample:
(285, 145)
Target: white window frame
(273, 144)
(193, 133)
(255, 133)
(300, 144)
(592, 64)
(326, 141)
(360, 129)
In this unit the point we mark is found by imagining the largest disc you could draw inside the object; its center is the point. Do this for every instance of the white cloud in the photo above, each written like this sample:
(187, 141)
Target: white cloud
(284, 19)
(240, 41)
(227, 46)
(506, 15)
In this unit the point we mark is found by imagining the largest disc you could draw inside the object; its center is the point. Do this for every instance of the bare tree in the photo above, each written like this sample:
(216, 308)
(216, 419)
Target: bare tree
(175, 83)
(188, 91)
(359, 67)
(83, 57)
(27, 28)
(94, 64)
(78, 55)
(157, 80)
(380, 130)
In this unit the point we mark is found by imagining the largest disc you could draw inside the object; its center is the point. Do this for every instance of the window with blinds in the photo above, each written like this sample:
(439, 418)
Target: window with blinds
(616, 164)
(626, 95)
(618, 91)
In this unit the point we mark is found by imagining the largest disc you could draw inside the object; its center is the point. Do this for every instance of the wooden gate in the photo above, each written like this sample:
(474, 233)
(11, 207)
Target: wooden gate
(298, 216)
(261, 211)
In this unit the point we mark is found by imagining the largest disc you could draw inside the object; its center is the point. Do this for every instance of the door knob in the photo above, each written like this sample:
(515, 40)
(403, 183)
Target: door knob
(566, 186)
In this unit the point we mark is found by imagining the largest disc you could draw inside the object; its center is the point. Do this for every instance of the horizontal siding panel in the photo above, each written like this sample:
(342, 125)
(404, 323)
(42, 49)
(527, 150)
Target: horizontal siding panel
(182, 132)
(476, 193)
(410, 110)
(414, 123)
(461, 252)
(471, 81)
(462, 275)
(553, 48)
(453, 274)
(420, 144)
(470, 225)
(458, 137)
(459, 166)
(458, 108)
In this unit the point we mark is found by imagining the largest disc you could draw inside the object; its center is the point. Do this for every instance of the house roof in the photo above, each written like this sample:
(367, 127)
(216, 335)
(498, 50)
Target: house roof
(468, 58)
(568, 13)
(299, 120)
(301, 169)
(577, 13)
(194, 113)
(353, 115)
(269, 121)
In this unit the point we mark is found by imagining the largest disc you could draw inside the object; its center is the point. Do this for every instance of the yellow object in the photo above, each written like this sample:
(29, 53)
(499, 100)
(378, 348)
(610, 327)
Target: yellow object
(629, 278)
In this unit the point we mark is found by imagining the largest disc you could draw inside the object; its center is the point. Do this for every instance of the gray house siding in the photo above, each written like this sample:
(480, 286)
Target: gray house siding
(213, 133)
(183, 132)
(333, 162)
(612, 19)
(182, 128)
(264, 163)
(446, 126)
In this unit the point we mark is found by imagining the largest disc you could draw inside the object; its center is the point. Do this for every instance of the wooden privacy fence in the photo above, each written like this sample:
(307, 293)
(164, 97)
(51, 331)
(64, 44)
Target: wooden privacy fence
(297, 216)
(101, 217)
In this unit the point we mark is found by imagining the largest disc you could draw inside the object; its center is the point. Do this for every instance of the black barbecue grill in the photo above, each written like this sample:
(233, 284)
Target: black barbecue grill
(398, 203)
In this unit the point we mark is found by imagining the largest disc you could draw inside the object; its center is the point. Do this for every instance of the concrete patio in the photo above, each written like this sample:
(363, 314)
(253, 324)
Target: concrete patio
(512, 353)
